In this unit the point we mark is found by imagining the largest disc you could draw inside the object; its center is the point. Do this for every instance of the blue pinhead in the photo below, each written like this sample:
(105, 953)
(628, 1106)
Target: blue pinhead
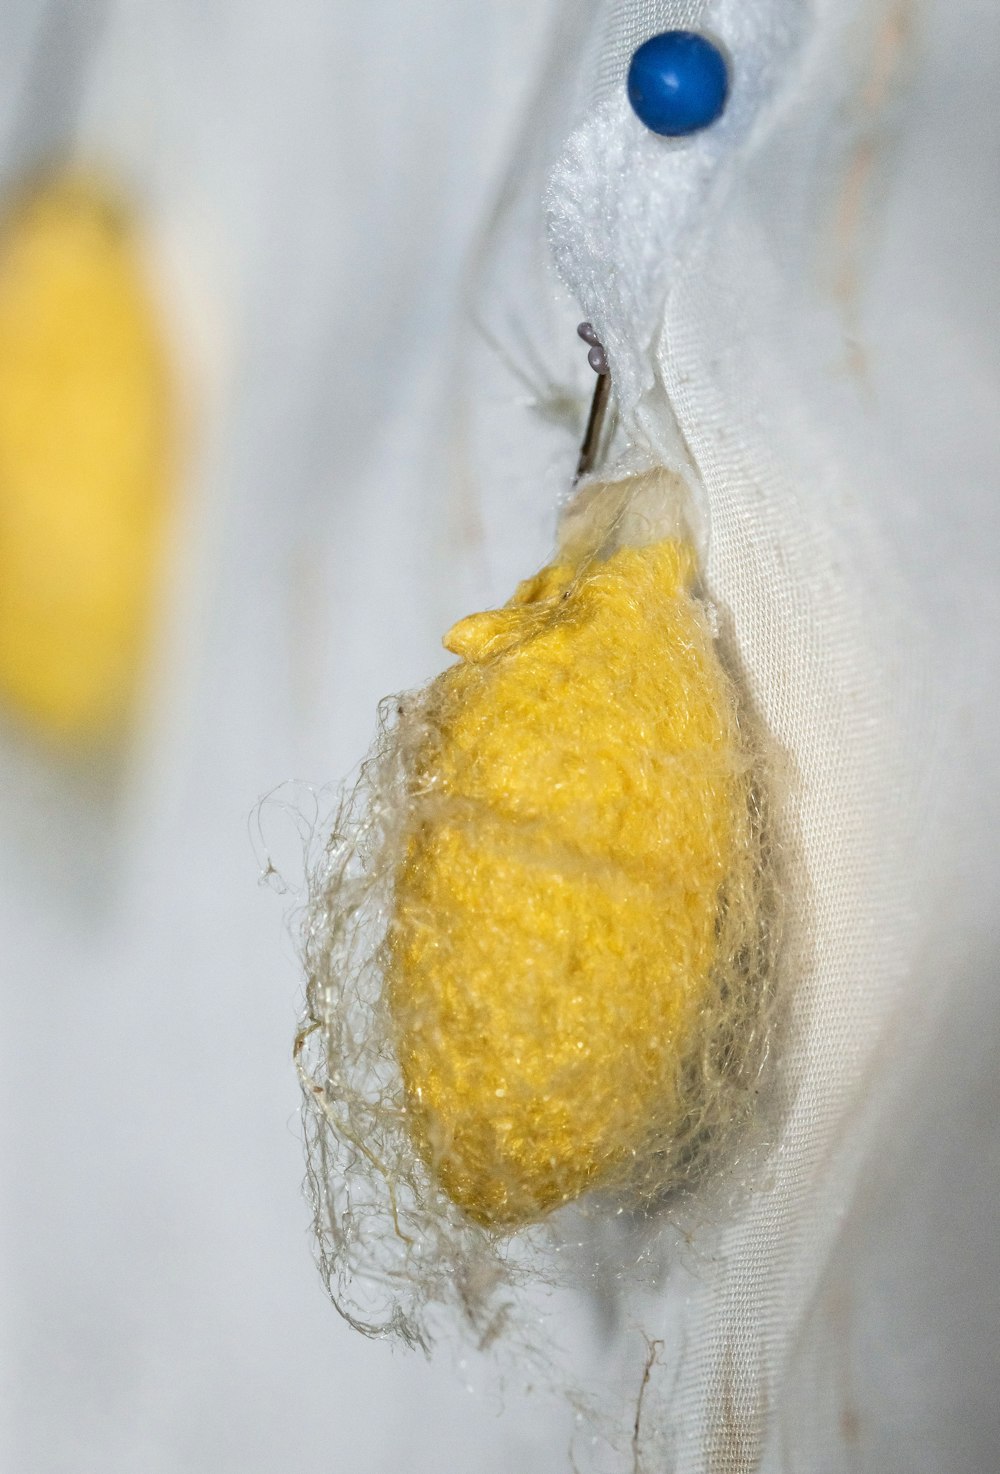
(678, 83)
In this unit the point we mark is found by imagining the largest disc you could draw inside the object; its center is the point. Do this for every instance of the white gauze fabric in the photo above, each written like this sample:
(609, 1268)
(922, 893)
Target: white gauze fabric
(772, 303)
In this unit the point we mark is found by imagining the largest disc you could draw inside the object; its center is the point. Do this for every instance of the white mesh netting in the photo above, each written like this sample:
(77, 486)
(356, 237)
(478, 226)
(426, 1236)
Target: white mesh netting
(773, 297)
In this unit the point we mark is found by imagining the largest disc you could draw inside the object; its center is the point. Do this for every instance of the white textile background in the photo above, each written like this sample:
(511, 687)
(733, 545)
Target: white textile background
(314, 175)
(389, 393)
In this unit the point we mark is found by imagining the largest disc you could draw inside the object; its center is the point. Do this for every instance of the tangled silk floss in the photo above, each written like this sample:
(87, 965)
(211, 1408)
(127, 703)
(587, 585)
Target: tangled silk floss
(540, 939)
(539, 945)
(574, 905)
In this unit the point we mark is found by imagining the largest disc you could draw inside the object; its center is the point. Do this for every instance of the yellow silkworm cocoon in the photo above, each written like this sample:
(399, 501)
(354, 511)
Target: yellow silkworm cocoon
(571, 894)
(85, 430)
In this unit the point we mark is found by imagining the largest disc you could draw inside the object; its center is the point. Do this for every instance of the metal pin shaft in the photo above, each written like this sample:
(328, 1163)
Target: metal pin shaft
(598, 405)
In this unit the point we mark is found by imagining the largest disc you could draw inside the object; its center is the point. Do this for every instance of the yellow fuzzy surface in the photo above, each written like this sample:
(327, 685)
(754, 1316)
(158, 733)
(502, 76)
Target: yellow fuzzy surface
(84, 432)
(554, 950)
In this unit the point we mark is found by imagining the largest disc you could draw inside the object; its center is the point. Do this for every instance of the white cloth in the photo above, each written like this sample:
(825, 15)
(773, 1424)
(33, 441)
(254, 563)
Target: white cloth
(809, 288)
(786, 318)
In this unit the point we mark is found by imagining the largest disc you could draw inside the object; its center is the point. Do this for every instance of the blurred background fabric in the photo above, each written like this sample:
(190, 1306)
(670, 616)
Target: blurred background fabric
(345, 206)
(310, 178)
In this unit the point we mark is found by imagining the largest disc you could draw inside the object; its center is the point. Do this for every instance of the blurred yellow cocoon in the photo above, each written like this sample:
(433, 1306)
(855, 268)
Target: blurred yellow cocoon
(85, 458)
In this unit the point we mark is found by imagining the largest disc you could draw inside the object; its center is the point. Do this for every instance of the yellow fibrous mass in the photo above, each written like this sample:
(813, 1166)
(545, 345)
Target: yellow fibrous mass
(554, 961)
(84, 453)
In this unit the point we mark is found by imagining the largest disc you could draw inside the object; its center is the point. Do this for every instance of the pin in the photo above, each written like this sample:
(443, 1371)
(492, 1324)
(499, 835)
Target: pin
(678, 83)
(599, 363)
